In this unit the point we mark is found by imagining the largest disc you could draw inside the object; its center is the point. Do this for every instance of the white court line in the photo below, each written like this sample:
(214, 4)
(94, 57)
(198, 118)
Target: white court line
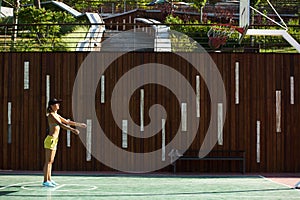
(24, 187)
(57, 187)
(26, 183)
(16, 184)
(70, 190)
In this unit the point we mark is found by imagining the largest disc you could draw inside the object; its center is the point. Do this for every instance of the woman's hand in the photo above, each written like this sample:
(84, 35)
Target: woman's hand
(75, 131)
(82, 125)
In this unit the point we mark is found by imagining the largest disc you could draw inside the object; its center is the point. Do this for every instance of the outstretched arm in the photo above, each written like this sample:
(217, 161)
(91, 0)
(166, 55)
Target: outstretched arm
(72, 123)
(64, 126)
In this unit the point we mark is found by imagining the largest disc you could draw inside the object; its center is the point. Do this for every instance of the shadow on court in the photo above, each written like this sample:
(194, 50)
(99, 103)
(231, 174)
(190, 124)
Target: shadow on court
(3, 193)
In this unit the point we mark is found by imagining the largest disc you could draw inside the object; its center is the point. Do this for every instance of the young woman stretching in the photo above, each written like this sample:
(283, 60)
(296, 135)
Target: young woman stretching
(55, 121)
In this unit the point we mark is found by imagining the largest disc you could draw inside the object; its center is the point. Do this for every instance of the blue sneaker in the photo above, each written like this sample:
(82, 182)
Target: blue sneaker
(48, 184)
(54, 183)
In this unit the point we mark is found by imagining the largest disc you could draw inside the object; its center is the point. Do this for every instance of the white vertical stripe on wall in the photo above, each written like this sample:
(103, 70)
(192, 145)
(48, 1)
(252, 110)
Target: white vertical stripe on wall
(124, 26)
(8, 112)
(278, 111)
(88, 140)
(142, 109)
(102, 87)
(183, 116)
(9, 122)
(26, 75)
(220, 123)
(163, 140)
(258, 141)
(198, 96)
(134, 27)
(237, 80)
(47, 89)
(292, 90)
(68, 138)
(124, 133)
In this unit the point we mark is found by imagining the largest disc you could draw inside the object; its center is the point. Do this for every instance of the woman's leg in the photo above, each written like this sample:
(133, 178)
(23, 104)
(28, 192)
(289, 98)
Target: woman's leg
(52, 156)
(49, 159)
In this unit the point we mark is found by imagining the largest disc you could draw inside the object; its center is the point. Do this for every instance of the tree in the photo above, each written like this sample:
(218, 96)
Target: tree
(42, 32)
(191, 29)
(254, 3)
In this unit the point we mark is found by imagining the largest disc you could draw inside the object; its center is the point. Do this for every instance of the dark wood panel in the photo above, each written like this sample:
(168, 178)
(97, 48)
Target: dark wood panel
(17, 111)
(7, 96)
(3, 110)
(2, 115)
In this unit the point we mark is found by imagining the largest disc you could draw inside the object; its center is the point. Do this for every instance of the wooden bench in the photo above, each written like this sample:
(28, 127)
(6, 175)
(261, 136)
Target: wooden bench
(215, 155)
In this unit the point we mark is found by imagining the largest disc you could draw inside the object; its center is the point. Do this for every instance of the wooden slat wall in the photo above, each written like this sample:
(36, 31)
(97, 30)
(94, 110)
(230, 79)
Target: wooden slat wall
(260, 75)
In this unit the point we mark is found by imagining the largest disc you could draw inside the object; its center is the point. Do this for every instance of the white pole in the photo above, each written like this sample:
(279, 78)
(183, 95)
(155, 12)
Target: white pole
(277, 14)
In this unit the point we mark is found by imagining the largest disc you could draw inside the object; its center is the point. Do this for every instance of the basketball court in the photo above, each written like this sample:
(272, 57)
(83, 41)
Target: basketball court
(112, 185)
(150, 186)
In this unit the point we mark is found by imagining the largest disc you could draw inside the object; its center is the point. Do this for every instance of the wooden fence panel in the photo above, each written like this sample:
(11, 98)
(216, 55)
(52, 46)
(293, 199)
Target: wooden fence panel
(259, 77)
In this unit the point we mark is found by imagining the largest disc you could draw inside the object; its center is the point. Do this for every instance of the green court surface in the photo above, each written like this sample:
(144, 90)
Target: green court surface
(144, 187)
